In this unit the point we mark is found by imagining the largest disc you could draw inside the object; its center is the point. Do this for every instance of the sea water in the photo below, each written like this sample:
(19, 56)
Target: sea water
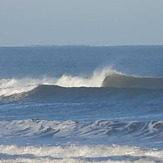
(81, 104)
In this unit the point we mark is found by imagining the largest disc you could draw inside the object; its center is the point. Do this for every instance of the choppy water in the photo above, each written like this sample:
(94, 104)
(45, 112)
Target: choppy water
(81, 104)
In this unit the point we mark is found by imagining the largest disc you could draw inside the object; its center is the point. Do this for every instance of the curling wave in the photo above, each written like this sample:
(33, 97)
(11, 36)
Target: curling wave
(125, 81)
(105, 78)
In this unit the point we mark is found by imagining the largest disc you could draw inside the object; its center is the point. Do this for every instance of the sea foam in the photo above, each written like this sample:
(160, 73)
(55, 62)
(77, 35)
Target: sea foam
(79, 154)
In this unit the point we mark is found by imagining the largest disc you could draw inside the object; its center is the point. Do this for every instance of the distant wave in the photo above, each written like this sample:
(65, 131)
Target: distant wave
(105, 78)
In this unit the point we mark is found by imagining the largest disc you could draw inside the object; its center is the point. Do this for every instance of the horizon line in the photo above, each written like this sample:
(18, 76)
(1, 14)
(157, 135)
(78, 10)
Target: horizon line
(79, 45)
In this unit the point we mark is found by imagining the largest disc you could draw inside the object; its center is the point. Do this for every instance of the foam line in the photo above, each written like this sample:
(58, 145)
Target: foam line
(79, 154)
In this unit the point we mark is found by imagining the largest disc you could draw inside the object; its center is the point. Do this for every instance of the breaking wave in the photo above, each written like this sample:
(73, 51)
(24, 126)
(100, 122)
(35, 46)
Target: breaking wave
(105, 78)
(73, 129)
(96, 139)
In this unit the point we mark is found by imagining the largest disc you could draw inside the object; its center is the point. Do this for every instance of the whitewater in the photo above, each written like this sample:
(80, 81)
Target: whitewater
(81, 104)
(81, 154)
(15, 86)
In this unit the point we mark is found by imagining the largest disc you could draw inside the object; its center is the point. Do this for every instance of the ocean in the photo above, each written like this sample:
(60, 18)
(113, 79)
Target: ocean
(81, 104)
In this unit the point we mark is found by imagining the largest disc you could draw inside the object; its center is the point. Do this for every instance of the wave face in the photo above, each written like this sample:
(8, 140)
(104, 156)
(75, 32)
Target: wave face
(105, 78)
(124, 81)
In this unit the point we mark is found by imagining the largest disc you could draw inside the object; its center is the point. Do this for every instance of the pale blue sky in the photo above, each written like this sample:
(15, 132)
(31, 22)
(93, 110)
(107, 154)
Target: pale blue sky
(81, 22)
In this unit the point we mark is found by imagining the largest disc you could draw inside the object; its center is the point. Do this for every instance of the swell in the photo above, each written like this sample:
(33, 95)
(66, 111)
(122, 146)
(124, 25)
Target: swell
(56, 93)
(52, 93)
(47, 91)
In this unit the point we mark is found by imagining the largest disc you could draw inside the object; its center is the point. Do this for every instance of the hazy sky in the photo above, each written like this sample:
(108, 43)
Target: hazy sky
(81, 22)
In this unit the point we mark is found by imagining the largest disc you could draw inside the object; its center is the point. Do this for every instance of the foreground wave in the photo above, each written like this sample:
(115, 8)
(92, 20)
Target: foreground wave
(102, 131)
(33, 127)
(79, 154)
(105, 78)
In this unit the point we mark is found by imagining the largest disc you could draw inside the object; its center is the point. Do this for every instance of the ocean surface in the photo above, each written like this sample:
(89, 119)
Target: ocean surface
(78, 104)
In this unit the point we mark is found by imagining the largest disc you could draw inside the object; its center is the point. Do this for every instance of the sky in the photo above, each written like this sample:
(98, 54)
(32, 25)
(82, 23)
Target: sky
(81, 22)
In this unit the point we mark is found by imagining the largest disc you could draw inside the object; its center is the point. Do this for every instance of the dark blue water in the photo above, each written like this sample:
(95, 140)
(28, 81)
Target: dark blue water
(52, 61)
(82, 94)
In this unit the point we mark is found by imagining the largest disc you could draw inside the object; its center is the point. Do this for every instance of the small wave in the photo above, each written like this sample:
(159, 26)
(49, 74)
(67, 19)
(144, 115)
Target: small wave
(72, 129)
(105, 78)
